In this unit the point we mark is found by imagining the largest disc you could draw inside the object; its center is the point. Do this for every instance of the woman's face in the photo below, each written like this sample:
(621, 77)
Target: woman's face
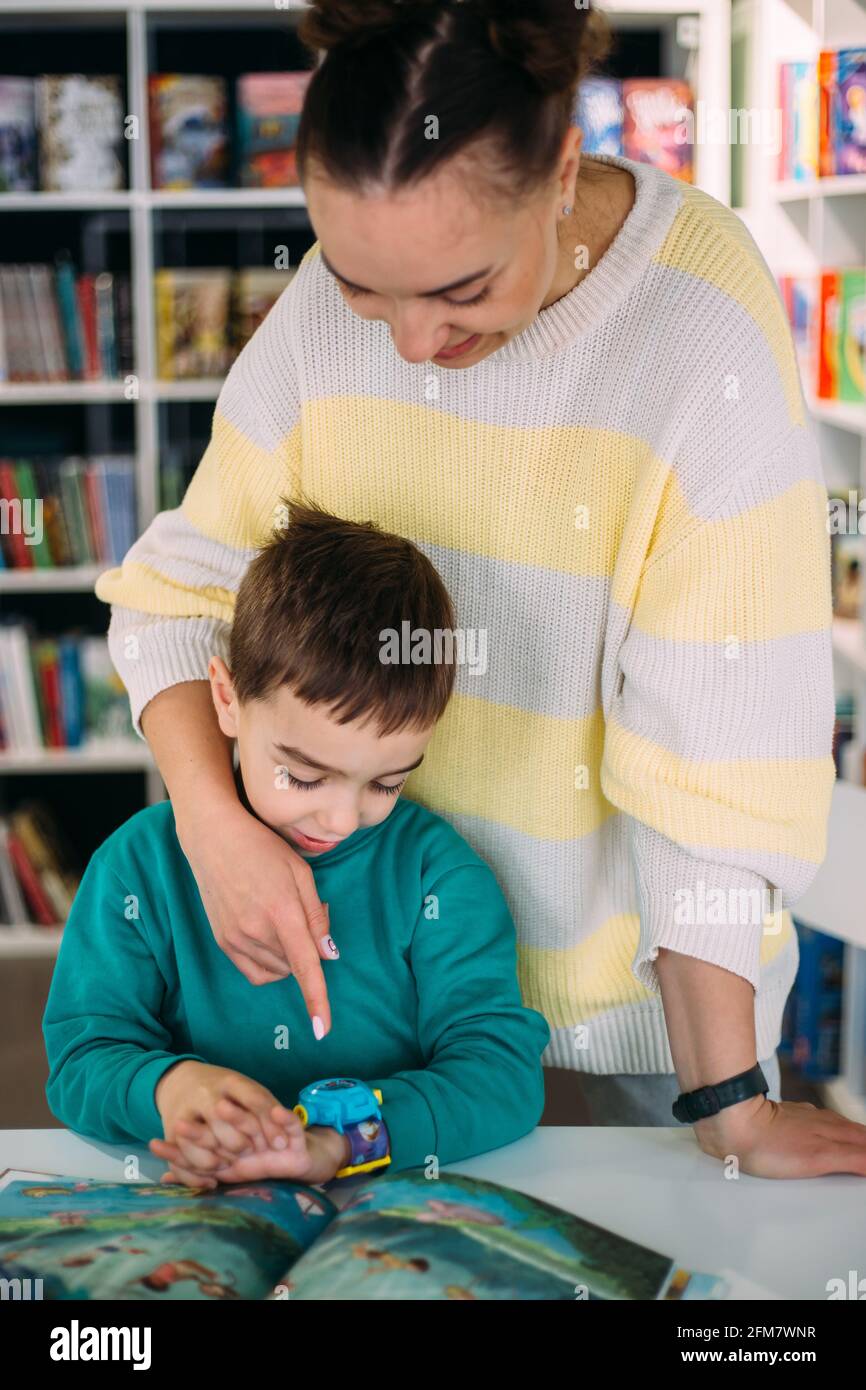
(454, 277)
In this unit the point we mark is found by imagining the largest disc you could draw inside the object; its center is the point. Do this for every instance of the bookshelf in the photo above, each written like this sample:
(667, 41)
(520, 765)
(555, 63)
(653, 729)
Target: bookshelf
(802, 227)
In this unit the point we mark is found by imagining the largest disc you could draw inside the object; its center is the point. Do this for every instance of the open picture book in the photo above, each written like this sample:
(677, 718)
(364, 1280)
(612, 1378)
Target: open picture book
(395, 1236)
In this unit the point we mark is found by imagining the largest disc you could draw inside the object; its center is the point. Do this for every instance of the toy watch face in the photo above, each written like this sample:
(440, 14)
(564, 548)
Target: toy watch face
(340, 1083)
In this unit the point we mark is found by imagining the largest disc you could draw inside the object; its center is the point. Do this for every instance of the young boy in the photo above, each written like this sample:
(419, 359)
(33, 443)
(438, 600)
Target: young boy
(150, 1029)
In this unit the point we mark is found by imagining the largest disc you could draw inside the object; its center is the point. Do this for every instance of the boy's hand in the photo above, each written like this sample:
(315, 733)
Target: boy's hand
(312, 1155)
(212, 1116)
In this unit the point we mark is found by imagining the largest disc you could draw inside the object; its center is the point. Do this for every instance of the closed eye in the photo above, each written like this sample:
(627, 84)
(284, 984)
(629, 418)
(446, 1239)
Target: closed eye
(354, 293)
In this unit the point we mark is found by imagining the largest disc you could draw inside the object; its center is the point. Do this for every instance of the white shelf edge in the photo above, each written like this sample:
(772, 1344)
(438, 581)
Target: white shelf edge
(153, 7)
(39, 201)
(109, 758)
(60, 392)
(62, 579)
(26, 942)
(832, 186)
(96, 393)
(845, 415)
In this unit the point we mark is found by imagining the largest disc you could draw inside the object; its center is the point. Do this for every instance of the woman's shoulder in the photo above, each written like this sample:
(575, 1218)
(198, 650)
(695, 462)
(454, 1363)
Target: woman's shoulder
(709, 242)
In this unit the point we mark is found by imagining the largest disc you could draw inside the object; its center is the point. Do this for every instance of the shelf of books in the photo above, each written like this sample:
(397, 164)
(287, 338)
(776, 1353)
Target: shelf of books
(151, 216)
(804, 199)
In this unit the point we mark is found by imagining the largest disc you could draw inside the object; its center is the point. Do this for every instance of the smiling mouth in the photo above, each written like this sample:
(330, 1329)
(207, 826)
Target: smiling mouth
(312, 841)
(460, 348)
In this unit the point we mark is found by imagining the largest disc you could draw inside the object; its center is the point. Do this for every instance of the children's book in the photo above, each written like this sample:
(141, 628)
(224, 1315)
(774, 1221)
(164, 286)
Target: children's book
(397, 1236)
(599, 113)
(799, 110)
(17, 134)
(80, 121)
(658, 126)
(188, 131)
(268, 106)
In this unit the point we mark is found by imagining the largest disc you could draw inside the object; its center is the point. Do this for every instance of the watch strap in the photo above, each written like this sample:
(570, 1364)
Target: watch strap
(371, 1147)
(709, 1100)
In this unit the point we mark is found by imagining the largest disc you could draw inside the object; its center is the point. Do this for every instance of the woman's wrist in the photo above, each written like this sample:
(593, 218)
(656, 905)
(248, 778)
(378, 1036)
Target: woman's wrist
(718, 1133)
(195, 813)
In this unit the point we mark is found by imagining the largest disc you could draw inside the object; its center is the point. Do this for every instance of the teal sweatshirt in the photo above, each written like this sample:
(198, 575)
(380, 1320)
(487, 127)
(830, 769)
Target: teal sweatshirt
(424, 998)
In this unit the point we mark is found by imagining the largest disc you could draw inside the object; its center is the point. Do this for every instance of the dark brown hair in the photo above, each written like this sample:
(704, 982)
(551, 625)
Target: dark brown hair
(502, 72)
(310, 610)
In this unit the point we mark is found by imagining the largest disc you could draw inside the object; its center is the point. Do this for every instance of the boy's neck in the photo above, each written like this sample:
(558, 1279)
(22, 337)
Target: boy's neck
(242, 791)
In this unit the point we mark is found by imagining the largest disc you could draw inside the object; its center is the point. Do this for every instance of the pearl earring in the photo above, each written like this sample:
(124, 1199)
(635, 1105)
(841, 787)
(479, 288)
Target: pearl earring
(567, 210)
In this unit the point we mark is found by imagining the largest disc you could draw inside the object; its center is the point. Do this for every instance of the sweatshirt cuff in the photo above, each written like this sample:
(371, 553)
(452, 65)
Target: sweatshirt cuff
(710, 911)
(144, 1121)
(163, 653)
(409, 1120)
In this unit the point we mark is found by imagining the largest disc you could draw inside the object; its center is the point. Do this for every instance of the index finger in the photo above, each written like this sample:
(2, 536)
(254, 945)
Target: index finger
(291, 926)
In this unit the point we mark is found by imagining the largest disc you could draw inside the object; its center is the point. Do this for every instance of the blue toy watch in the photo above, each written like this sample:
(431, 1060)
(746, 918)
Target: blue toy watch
(352, 1108)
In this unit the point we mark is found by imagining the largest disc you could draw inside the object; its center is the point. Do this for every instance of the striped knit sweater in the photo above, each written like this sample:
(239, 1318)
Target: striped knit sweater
(627, 499)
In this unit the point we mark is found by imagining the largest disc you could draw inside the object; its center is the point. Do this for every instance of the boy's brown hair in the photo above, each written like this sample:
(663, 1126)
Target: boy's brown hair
(310, 610)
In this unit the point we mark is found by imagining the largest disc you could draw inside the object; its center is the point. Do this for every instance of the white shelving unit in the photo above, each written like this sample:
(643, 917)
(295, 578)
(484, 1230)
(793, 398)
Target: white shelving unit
(802, 228)
(706, 66)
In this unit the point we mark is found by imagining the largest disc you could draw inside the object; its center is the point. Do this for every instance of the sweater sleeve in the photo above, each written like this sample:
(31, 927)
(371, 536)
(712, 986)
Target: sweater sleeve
(173, 595)
(483, 1085)
(718, 739)
(106, 1045)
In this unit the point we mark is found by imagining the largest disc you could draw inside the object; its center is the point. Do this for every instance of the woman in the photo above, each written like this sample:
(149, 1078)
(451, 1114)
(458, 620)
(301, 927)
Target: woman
(572, 383)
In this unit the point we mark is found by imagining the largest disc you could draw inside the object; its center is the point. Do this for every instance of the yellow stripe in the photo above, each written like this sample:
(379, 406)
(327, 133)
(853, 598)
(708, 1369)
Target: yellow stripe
(234, 492)
(137, 585)
(709, 241)
(769, 804)
(428, 475)
(577, 984)
(759, 575)
(515, 768)
(573, 985)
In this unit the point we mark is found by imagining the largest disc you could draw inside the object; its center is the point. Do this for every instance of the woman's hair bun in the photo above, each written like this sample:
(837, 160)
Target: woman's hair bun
(328, 23)
(556, 42)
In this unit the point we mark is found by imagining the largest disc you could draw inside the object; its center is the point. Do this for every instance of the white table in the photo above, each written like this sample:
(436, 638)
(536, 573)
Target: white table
(654, 1186)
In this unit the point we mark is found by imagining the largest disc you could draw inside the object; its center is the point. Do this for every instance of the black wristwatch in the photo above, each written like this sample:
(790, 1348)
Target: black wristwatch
(709, 1100)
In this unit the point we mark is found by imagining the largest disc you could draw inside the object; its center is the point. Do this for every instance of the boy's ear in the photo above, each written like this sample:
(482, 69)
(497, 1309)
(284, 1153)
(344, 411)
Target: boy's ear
(223, 695)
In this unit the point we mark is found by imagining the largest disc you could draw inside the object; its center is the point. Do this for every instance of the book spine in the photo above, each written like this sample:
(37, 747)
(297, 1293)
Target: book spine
(87, 310)
(826, 97)
(73, 504)
(22, 557)
(69, 316)
(103, 286)
(34, 894)
(29, 494)
(72, 699)
(93, 509)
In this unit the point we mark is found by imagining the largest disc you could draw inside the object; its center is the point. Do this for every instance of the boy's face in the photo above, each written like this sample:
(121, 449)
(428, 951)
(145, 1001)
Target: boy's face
(310, 779)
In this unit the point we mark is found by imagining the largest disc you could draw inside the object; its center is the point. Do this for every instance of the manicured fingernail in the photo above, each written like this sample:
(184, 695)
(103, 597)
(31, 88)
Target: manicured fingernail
(318, 1027)
(330, 947)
